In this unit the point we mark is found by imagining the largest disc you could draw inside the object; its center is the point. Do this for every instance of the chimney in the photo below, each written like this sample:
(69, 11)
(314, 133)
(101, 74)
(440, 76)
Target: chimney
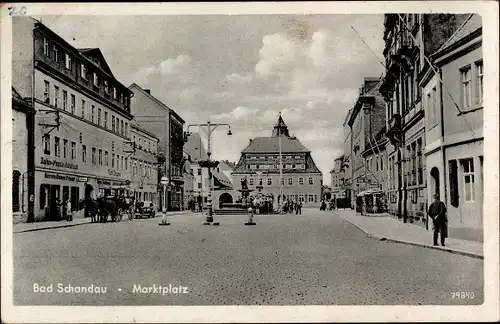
(148, 91)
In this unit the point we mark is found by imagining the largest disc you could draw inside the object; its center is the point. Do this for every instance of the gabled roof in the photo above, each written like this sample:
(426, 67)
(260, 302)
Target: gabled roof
(473, 23)
(92, 53)
(272, 145)
(157, 101)
(311, 167)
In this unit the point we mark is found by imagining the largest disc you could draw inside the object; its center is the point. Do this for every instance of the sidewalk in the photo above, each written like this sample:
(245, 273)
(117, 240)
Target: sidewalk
(389, 229)
(38, 226)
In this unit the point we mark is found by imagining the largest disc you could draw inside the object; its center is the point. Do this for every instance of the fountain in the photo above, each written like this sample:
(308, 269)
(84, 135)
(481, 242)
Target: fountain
(240, 205)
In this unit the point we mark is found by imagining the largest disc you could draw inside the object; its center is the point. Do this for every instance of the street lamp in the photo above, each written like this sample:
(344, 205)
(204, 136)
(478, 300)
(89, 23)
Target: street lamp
(208, 128)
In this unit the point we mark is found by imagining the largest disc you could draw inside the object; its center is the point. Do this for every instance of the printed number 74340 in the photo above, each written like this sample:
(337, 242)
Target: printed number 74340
(13, 11)
(462, 295)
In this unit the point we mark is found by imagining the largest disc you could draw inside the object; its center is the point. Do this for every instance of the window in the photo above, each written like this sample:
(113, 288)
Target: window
(46, 50)
(99, 112)
(83, 109)
(479, 82)
(73, 150)
(269, 181)
(301, 181)
(126, 163)
(94, 156)
(57, 146)
(114, 93)
(100, 156)
(113, 160)
(112, 123)
(311, 198)
(290, 181)
(468, 173)
(46, 92)
(55, 50)
(376, 163)
(199, 172)
(65, 148)
(106, 158)
(56, 96)
(117, 125)
(126, 129)
(67, 61)
(83, 71)
(65, 99)
(310, 181)
(453, 180)
(122, 128)
(84, 153)
(118, 161)
(106, 120)
(251, 182)
(93, 114)
(260, 182)
(73, 103)
(382, 163)
(46, 144)
(106, 86)
(435, 107)
(282, 181)
(96, 80)
(466, 87)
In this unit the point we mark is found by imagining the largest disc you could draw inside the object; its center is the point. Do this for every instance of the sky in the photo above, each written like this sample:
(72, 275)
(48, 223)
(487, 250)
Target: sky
(243, 70)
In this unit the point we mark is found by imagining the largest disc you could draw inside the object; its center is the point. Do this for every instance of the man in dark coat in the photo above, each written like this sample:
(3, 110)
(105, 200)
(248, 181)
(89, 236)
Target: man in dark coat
(437, 211)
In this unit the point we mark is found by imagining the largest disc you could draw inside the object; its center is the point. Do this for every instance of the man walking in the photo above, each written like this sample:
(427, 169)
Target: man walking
(437, 211)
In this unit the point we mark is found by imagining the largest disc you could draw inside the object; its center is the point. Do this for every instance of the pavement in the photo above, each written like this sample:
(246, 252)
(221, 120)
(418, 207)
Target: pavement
(38, 226)
(390, 229)
(317, 258)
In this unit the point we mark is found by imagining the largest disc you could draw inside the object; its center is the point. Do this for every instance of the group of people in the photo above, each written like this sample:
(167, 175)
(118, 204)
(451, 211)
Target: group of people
(262, 204)
(61, 210)
(291, 206)
(195, 205)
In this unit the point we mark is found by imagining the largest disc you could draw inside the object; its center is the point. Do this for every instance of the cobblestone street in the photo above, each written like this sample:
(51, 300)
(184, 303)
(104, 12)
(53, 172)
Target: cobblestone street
(317, 258)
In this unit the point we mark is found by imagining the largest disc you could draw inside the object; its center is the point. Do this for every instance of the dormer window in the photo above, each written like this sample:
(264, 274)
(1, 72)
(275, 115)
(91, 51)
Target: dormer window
(67, 62)
(46, 50)
(83, 71)
(106, 87)
(96, 80)
(56, 53)
(114, 93)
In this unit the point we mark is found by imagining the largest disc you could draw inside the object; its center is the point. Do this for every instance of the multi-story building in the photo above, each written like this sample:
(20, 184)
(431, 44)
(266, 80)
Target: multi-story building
(22, 158)
(157, 118)
(260, 164)
(188, 174)
(194, 147)
(144, 164)
(375, 160)
(347, 163)
(409, 39)
(337, 179)
(82, 117)
(366, 120)
(454, 125)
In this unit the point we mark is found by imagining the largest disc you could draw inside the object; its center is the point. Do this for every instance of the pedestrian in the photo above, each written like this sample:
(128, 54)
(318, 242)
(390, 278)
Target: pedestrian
(69, 212)
(299, 207)
(437, 211)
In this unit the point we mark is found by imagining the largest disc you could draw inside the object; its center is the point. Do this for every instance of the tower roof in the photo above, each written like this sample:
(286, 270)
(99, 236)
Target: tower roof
(280, 128)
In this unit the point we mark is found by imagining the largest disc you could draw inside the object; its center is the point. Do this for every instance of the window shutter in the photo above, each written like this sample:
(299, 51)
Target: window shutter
(453, 175)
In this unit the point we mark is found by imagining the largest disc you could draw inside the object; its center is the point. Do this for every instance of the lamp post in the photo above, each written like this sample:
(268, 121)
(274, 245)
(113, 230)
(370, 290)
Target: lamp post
(209, 128)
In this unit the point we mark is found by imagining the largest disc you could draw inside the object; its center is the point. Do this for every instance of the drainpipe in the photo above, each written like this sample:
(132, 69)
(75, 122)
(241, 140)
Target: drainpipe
(443, 153)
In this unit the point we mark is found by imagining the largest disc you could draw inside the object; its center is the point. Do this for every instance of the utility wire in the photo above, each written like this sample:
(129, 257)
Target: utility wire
(380, 61)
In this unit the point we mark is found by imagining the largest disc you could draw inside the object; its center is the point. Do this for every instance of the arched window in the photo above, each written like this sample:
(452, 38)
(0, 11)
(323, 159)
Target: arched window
(15, 191)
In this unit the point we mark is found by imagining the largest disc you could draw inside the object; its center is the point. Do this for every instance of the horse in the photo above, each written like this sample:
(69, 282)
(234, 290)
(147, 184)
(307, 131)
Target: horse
(91, 208)
(107, 207)
(125, 204)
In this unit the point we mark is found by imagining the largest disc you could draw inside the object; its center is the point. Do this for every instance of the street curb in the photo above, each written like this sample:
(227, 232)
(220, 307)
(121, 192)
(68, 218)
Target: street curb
(52, 227)
(388, 239)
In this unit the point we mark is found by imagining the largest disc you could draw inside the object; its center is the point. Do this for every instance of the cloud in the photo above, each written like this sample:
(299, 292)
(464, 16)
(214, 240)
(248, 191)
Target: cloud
(237, 78)
(174, 66)
(238, 113)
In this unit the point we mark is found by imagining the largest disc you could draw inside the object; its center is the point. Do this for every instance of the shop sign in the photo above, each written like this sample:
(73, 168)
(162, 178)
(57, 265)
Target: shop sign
(55, 163)
(83, 179)
(59, 177)
(114, 173)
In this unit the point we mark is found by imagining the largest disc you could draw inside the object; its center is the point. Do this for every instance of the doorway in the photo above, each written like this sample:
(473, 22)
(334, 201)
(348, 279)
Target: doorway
(435, 181)
(54, 200)
(225, 198)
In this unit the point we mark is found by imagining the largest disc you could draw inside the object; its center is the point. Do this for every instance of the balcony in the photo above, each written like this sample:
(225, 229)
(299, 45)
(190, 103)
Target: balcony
(394, 130)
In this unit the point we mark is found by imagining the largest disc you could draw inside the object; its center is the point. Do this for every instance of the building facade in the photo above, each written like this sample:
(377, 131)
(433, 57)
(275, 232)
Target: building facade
(144, 164)
(22, 158)
(366, 120)
(409, 40)
(82, 118)
(196, 150)
(163, 122)
(454, 125)
(375, 160)
(260, 165)
(337, 179)
(347, 163)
